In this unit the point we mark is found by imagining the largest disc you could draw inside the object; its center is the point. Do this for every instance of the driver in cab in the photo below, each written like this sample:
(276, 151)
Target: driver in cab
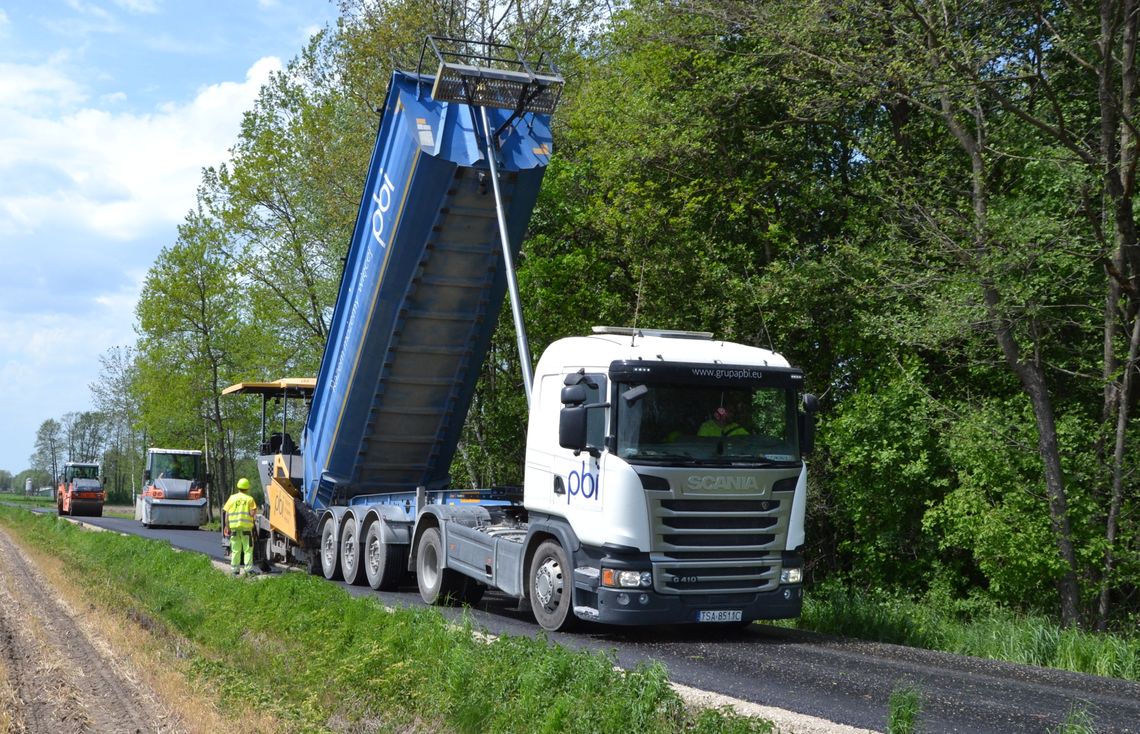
(721, 424)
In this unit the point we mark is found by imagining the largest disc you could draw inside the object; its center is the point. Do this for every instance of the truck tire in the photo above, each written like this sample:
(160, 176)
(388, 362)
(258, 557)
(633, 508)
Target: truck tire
(350, 555)
(439, 586)
(549, 587)
(383, 562)
(329, 553)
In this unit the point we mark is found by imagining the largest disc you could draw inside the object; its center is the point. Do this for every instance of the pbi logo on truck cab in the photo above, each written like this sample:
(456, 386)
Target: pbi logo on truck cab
(583, 484)
(383, 201)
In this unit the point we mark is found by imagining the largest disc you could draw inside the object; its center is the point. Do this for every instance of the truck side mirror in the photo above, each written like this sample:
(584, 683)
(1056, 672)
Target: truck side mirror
(573, 395)
(572, 428)
(146, 475)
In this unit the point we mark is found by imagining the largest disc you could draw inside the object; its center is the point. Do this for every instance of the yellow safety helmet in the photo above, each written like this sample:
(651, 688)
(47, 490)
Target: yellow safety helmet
(243, 483)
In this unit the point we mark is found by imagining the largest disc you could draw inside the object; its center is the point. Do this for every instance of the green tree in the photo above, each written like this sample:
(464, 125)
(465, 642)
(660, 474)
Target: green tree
(50, 449)
(85, 435)
(113, 394)
(287, 203)
(1009, 226)
(196, 338)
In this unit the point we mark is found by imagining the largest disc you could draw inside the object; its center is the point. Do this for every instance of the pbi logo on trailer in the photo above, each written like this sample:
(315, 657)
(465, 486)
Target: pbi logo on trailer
(584, 484)
(383, 201)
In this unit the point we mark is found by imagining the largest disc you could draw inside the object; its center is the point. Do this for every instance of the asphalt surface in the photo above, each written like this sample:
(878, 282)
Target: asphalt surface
(842, 680)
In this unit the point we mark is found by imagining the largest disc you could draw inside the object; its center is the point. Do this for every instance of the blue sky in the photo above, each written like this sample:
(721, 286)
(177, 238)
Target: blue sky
(109, 110)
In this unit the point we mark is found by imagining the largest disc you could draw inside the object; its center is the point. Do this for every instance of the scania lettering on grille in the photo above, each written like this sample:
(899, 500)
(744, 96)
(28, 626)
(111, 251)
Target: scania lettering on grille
(722, 483)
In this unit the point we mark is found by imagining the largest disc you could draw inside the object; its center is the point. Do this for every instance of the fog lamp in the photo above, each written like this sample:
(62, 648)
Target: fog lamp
(791, 576)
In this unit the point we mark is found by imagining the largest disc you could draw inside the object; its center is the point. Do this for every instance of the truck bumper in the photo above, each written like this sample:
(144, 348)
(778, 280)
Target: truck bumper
(645, 606)
(172, 513)
(648, 604)
(90, 508)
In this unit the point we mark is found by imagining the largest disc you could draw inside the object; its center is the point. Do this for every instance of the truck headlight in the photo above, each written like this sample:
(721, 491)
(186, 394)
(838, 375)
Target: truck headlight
(625, 579)
(791, 576)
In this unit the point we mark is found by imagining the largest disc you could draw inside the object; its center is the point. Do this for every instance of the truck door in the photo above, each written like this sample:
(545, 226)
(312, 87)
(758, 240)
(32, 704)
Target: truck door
(577, 487)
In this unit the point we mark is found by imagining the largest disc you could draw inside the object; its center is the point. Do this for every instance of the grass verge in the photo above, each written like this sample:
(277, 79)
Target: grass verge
(310, 658)
(969, 627)
(904, 708)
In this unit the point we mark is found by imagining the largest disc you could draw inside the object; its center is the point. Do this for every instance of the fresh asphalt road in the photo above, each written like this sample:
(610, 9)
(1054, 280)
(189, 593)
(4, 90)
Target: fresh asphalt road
(838, 679)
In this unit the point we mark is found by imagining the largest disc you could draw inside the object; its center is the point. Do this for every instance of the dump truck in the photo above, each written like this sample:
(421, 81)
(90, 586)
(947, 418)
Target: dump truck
(174, 489)
(80, 491)
(664, 477)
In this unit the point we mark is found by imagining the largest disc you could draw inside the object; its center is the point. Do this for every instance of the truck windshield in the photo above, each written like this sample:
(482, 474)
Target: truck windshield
(174, 466)
(83, 472)
(686, 424)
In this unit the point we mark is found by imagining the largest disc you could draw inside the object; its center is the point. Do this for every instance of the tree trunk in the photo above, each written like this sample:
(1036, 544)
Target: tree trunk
(973, 142)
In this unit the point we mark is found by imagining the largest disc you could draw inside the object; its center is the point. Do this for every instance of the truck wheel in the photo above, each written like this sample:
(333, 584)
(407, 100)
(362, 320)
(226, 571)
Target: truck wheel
(350, 564)
(438, 585)
(330, 557)
(551, 591)
(383, 562)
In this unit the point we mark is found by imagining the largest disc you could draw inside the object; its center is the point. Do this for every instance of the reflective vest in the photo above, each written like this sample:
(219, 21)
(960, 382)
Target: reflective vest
(712, 428)
(240, 508)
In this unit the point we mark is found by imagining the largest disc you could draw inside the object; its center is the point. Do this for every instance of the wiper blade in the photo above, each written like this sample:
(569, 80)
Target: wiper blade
(684, 459)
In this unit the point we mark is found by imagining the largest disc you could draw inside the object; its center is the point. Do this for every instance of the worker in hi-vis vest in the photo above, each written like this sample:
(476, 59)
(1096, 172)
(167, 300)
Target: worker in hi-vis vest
(240, 509)
(721, 424)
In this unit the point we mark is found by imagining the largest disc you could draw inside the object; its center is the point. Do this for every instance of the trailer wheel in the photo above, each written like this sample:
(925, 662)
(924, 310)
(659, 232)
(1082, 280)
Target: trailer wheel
(383, 562)
(438, 585)
(350, 564)
(330, 557)
(550, 589)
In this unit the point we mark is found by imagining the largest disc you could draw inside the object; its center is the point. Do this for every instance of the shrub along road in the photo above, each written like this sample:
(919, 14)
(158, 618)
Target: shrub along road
(838, 679)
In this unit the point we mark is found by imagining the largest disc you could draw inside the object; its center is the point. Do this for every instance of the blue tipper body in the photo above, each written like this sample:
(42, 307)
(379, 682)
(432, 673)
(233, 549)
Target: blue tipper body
(422, 289)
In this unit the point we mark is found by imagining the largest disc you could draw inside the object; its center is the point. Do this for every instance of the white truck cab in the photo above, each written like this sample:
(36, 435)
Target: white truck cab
(668, 467)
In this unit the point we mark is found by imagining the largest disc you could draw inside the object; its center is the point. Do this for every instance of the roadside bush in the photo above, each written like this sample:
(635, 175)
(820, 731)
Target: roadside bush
(975, 626)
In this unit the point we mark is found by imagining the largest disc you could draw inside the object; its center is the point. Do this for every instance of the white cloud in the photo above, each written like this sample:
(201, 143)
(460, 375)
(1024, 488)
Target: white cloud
(118, 174)
(34, 89)
(138, 6)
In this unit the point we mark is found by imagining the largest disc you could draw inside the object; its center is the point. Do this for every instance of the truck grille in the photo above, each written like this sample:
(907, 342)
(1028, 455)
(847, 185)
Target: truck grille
(718, 545)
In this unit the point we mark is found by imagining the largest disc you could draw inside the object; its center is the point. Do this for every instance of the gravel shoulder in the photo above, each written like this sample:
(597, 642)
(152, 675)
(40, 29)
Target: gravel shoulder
(57, 674)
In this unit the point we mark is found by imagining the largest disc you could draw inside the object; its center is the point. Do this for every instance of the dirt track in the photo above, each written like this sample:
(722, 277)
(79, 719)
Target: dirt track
(55, 675)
